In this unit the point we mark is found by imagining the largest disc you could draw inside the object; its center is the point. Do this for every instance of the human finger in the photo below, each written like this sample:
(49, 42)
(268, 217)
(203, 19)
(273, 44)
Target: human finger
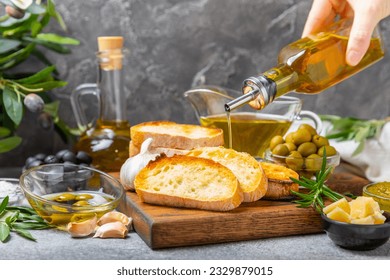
(360, 36)
(321, 14)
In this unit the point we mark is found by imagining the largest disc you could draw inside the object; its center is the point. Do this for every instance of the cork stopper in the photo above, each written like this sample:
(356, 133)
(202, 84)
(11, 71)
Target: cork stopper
(110, 52)
(110, 43)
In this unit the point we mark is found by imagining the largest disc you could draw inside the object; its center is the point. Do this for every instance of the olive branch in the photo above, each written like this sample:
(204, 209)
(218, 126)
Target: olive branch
(22, 36)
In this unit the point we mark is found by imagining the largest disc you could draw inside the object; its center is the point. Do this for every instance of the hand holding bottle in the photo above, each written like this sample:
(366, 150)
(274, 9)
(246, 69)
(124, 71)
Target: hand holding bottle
(366, 15)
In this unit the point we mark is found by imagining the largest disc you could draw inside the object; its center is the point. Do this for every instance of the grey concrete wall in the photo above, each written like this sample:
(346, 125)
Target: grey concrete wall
(173, 41)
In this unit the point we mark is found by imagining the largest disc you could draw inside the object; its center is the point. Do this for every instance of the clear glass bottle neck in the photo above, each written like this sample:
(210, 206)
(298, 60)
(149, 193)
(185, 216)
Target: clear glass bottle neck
(110, 84)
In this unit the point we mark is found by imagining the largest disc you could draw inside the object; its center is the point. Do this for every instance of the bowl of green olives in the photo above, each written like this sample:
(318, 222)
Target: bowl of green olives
(63, 192)
(302, 151)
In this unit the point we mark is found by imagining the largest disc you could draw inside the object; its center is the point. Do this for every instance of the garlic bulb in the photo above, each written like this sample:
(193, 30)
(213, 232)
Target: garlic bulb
(134, 164)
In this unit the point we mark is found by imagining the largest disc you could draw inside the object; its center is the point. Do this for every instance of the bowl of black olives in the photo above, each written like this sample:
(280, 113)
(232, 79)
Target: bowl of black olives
(302, 150)
(62, 156)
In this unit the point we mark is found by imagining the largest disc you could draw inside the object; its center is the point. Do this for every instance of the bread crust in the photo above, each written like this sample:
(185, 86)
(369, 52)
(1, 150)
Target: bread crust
(190, 192)
(246, 168)
(279, 182)
(172, 135)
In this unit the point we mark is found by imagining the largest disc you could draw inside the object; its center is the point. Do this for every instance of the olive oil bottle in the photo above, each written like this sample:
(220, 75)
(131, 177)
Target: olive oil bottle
(309, 65)
(107, 140)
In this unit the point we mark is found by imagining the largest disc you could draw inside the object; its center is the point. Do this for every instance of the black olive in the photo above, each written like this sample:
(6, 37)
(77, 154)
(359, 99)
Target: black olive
(69, 156)
(83, 157)
(40, 156)
(51, 159)
(29, 160)
(60, 154)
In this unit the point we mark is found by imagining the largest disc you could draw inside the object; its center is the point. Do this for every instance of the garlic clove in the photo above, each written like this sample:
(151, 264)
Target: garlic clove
(82, 229)
(111, 230)
(115, 216)
(133, 165)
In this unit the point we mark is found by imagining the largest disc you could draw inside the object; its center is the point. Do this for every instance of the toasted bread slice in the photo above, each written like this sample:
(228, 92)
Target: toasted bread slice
(172, 135)
(248, 171)
(133, 150)
(190, 182)
(279, 182)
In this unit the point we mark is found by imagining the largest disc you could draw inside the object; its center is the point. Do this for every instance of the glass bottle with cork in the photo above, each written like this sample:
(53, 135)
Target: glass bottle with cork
(309, 65)
(106, 138)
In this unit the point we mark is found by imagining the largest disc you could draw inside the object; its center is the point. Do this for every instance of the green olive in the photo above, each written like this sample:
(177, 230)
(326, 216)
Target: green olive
(281, 150)
(313, 162)
(307, 149)
(81, 203)
(291, 147)
(294, 160)
(64, 197)
(84, 196)
(290, 137)
(300, 136)
(320, 141)
(276, 140)
(330, 151)
(311, 129)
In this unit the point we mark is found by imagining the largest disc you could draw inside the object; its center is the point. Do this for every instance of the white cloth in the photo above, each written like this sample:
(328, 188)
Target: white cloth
(374, 160)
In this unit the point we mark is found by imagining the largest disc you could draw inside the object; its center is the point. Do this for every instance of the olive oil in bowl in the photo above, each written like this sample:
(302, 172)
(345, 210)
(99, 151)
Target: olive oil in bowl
(250, 132)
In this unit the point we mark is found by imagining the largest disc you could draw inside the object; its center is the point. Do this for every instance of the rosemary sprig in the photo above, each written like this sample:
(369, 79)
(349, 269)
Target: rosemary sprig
(317, 189)
(19, 219)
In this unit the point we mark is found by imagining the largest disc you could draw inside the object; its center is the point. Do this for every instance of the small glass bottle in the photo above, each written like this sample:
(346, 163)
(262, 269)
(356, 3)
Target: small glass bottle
(309, 65)
(106, 140)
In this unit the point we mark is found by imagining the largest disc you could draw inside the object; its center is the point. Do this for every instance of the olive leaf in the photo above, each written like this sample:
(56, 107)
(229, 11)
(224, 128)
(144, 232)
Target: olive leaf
(45, 86)
(4, 132)
(9, 143)
(52, 11)
(8, 44)
(54, 38)
(38, 77)
(13, 105)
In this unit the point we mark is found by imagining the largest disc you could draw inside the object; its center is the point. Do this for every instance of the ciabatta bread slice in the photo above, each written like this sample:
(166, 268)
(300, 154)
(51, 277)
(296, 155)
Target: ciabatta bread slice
(245, 167)
(279, 182)
(172, 135)
(134, 150)
(190, 182)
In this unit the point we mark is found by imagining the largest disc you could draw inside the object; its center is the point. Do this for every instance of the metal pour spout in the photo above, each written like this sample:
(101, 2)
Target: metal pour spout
(242, 100)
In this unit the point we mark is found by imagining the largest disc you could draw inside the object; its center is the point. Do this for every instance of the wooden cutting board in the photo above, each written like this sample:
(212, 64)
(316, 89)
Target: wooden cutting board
(162, 227)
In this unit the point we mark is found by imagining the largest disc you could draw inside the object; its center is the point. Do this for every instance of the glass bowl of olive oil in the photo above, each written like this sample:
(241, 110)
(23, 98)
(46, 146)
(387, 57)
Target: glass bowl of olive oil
(63, 193)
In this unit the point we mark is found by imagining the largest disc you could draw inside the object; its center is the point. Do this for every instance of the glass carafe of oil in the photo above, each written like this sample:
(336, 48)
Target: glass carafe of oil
(309, 65)
(107, 137)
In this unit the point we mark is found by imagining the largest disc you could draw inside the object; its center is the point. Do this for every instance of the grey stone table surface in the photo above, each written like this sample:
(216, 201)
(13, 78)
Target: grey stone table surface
(58, 245)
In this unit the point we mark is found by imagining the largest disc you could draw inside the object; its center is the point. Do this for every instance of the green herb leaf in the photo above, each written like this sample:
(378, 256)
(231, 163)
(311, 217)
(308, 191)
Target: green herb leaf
(52, 11)
(4, 132)
(36, 9)
(344, 129)
(57, 39)
(9, 143)
(45, 86)
(4, 204)
(7, 45)
(25, 233)
(13, 105)
(4, 231)
(38, 77)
